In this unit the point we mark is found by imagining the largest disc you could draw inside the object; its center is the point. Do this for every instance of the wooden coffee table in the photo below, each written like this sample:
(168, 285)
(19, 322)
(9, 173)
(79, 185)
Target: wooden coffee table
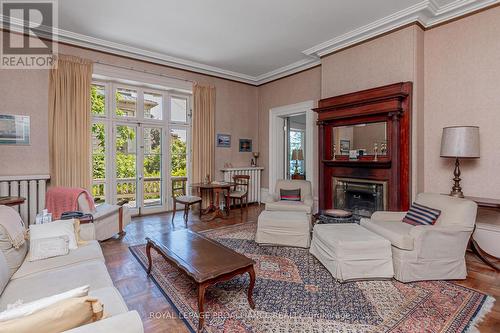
(203, 260)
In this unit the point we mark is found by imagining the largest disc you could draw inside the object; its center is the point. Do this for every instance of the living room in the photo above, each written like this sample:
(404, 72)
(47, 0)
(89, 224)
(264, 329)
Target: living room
(283, 166)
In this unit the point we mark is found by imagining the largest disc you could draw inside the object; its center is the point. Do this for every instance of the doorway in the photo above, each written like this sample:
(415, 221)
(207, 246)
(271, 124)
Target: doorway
(295, 147)
(281, 159)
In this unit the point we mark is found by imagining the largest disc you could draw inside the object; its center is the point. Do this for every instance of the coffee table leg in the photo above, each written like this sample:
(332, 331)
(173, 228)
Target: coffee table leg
(201, 300)
(251, 272)
(148, 253)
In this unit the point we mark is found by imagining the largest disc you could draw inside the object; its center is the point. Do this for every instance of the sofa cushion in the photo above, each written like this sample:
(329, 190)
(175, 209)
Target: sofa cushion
(90, 251)
(33, 287)
(288, 206)
(4, 272)
(398, 233)
(290, 195)
(14, 257)
(111, 300)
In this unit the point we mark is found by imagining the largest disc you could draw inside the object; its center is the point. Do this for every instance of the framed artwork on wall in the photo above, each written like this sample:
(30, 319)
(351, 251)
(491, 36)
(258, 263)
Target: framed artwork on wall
(224, 140)
(14, 130)
(245, 145)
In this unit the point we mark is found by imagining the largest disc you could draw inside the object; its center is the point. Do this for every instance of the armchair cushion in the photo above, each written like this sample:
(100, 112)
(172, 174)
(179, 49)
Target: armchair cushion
(454, 211)
(398, 233)
(288, 206)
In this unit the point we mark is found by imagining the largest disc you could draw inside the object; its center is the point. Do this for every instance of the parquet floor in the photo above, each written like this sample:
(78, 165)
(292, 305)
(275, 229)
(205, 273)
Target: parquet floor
(141, 293)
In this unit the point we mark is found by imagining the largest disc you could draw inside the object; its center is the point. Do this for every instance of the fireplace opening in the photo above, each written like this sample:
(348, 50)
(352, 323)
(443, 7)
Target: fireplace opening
(362, 197)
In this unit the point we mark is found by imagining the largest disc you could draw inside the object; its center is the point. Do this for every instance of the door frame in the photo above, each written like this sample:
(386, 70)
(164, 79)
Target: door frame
(277, 141)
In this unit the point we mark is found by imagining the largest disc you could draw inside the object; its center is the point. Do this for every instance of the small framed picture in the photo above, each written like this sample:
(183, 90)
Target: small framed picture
(345, 146)
(224, 140)
(245, 145)
(14, 130)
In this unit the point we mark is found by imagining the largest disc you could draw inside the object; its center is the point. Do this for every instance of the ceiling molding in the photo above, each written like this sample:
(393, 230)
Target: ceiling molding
(427, 13)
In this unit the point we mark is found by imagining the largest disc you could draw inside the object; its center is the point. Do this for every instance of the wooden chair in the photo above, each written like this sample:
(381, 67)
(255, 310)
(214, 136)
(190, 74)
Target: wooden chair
(240, 190)
(179, 196)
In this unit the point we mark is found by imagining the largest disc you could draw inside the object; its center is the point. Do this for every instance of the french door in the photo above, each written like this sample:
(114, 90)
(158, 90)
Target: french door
(140, 142)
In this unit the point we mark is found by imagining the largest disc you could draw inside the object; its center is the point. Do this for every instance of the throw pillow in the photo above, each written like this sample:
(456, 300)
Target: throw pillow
(290, 195)
(44, 248)
(19, 310)
(61, 316)
(421, 215)
(55, 229)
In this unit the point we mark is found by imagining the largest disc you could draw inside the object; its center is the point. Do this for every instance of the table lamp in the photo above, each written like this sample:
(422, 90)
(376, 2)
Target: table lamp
(297, 155)
(459, 142)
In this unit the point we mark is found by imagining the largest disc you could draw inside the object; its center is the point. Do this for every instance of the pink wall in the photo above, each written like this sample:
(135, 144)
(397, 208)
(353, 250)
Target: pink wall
(462, 87)
(297, 88)
(389, 59)
(25, 92)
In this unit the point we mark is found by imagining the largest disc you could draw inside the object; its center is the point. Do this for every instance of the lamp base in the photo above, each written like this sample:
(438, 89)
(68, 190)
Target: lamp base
(456, 190)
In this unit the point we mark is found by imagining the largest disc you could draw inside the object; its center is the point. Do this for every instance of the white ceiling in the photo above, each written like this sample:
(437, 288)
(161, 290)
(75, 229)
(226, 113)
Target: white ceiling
(250, 41)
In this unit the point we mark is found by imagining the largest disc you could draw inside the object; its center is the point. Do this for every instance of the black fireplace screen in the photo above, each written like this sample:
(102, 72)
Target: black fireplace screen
(361, 198)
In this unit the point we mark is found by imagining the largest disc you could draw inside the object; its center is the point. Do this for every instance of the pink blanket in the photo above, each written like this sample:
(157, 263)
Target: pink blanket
(65, 199)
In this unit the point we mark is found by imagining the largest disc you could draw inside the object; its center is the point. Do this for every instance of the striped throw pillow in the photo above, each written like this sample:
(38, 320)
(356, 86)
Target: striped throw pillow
(290, 195)
(421, 215)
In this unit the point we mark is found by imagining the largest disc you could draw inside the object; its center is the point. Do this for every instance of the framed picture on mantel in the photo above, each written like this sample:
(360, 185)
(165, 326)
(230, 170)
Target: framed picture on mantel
(14, 130)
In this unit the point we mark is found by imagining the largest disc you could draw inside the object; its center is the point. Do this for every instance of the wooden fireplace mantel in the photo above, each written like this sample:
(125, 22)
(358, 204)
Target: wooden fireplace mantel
(390, 104)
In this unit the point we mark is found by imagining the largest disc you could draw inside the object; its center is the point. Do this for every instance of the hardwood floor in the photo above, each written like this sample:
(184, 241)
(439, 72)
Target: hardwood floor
(158, 315)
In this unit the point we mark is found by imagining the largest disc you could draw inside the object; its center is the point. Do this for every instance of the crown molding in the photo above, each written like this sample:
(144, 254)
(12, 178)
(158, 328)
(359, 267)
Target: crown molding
(427, 13)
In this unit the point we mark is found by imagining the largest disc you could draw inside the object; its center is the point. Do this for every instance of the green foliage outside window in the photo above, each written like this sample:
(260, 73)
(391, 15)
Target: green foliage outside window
(126, 162)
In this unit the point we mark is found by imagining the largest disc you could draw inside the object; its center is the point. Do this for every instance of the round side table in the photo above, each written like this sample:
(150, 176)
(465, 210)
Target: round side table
(335, 216)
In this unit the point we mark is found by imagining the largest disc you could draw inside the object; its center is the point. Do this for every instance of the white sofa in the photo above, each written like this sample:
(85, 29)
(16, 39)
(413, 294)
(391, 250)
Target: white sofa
(306, 203)
(428, 252)
(83, 266)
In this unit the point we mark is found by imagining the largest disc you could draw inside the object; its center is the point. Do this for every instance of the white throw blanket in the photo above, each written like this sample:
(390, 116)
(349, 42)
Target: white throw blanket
(13, 225)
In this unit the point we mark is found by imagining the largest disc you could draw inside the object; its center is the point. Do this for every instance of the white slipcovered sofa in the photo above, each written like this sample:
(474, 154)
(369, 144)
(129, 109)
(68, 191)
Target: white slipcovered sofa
(305, 204)
(33, 280)
(428, 252)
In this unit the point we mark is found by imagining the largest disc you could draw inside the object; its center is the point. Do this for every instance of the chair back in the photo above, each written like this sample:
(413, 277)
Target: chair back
(242, 182)
(304, 186)
(454, 211)
(178, 186)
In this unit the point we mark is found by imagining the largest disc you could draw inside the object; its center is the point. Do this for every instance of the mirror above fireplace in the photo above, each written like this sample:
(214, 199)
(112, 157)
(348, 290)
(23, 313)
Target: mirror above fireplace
(364, 137)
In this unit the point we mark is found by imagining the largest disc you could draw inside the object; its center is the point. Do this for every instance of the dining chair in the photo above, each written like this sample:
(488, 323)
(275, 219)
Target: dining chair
(240, 190)
(179, 196)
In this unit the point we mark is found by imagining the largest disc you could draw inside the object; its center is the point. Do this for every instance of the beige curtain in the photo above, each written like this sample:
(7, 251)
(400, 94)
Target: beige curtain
(69, 122)
(203, 132)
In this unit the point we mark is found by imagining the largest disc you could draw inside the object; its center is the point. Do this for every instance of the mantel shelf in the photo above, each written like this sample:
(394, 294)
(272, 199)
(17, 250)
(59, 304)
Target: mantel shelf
(383, 164)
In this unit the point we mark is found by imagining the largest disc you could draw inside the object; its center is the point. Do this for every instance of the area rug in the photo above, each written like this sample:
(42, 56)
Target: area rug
(295, 293)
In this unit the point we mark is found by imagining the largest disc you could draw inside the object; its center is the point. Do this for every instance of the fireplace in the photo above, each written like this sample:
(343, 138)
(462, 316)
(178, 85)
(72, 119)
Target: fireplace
(360, 196)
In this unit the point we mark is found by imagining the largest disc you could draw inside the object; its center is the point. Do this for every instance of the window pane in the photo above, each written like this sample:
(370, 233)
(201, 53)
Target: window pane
(98, 100)
(126, 164)
(126, 102)
(178, 107)
(152, 166)
(98, 162)
(153, 106)
(178, 151)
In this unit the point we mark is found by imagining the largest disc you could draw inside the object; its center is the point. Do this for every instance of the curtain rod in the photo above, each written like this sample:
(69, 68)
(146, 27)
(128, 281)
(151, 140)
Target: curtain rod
(143, 71)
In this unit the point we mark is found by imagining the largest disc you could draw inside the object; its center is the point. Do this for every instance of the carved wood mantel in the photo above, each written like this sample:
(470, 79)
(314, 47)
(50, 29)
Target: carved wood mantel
(390, 104)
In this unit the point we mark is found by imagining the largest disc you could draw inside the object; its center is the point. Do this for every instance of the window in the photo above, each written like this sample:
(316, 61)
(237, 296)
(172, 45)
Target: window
(178, 107)
(126, 102)
(140, 140)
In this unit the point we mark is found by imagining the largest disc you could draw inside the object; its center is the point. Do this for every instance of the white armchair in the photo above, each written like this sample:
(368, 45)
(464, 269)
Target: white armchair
(428, 252)
(109, 220)
(305, 204)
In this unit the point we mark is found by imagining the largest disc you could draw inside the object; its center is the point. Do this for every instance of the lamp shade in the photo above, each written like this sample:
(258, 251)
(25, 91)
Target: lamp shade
(297, 155)
(460, 141)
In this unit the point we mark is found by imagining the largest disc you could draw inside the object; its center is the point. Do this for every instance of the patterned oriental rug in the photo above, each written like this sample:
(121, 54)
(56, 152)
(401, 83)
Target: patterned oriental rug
(295, 293)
